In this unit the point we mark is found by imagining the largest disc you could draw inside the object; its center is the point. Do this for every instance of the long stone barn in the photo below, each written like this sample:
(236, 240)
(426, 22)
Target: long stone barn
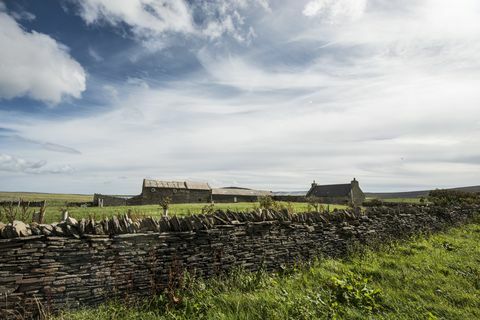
(153, 191)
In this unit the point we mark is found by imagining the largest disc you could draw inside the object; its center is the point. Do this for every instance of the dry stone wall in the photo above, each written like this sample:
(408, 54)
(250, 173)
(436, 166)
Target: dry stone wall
(72, 264)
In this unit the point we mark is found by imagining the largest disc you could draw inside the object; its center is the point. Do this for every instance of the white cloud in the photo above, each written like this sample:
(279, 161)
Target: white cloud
(110, 92)
(11, 163)
(142, 15)
(23, 15)
(390, 97)
(156, 19)
(333, 11)
(35, 65)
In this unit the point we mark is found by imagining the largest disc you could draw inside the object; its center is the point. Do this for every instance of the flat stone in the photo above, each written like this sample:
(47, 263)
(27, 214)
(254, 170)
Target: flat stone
(71, 222)
(2, 225)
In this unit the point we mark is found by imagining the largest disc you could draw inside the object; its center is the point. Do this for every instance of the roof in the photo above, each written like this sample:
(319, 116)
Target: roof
(331, 190)
(197, 185)
(148, 183)
(164, 184)
(240, 192)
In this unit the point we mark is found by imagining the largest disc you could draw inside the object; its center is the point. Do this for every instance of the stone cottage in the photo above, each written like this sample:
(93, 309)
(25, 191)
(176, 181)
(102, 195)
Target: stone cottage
(349, 193)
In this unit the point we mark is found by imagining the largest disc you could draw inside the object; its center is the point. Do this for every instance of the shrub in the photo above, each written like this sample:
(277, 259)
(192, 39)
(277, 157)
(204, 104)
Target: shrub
(373, 203)
(11, 212)
(453, 197)
(278, 206)
(165, 203)
(314, 204)
(208, 209)
(266, 202)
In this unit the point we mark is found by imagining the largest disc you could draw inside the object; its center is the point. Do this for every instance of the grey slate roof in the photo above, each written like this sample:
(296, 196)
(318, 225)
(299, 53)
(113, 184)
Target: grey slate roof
(240, 192)
(197, 185)
(149, 183)
(331, 190)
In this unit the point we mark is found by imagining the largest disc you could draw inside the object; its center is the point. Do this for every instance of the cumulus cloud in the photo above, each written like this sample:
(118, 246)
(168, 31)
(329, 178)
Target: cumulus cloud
(35, 65)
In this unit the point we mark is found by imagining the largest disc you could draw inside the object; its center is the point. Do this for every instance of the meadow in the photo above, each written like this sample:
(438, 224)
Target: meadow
(53, 199)
(435, 277)
(56, 203)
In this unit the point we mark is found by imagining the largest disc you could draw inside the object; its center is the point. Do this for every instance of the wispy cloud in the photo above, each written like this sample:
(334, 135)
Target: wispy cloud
(12, 138)
(386, 91)
(335, 11)
(11, 163)
(95, 55)
(157, 19)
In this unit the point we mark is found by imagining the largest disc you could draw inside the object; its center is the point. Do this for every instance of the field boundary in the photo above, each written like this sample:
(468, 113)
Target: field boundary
(74, 264)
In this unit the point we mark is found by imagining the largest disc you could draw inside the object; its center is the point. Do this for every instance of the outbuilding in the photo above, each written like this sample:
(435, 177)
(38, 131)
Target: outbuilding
(236, 194)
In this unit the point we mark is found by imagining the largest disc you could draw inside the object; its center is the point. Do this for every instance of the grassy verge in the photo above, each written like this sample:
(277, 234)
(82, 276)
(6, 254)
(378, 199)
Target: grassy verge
(429, 278)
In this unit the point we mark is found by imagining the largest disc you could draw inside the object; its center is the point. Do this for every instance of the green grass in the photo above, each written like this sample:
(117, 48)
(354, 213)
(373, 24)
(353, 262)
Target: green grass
(53, 213)
(402, 200)
(397, 200)
(55, 202)
(429, 278)
(53, 199)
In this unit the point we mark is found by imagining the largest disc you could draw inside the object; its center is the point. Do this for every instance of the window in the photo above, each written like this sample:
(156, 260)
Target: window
(153, 190)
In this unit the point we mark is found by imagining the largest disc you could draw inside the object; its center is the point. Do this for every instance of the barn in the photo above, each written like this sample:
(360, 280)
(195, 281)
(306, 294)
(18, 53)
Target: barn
(349, 193)
(236, 194)
(153, 191)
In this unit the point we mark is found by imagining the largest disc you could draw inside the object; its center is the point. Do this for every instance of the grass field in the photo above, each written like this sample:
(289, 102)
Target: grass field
(55, 203)
(433, 278)
(402, 200)
(398, 200)
(53, 199)
(53, 213)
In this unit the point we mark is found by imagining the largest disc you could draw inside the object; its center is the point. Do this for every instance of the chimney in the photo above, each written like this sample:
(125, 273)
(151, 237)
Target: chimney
(354, 183)
(314, 184)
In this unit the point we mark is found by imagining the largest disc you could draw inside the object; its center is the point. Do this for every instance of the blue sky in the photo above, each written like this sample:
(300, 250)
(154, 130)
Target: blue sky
(95, 95)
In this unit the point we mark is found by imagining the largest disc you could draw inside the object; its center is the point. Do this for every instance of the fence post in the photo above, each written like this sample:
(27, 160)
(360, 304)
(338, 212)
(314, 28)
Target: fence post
(43, 208)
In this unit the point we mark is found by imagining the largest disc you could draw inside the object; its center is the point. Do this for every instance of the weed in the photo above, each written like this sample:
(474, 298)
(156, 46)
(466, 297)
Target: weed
(354, 290)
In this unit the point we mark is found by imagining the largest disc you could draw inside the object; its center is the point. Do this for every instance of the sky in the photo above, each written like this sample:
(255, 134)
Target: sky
(96, 95)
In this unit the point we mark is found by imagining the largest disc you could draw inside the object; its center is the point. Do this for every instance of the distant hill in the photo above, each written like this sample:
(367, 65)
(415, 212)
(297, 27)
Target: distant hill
(415, 194)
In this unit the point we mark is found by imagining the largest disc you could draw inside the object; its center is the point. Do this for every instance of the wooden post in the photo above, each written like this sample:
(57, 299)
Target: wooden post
(43, 208)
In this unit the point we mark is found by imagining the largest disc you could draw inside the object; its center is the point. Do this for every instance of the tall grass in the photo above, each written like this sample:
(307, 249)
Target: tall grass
(428, 278)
